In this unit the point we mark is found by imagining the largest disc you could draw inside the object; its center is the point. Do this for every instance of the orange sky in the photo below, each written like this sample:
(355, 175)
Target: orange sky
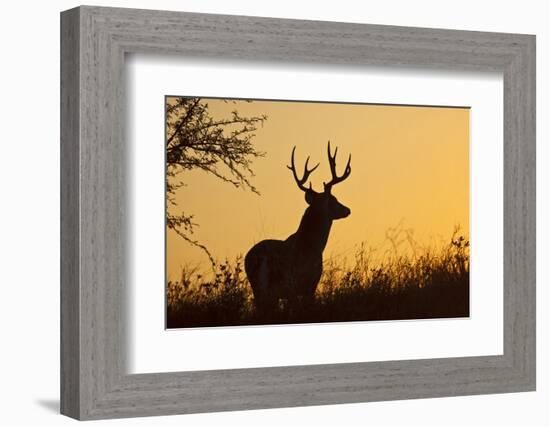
(410, 166)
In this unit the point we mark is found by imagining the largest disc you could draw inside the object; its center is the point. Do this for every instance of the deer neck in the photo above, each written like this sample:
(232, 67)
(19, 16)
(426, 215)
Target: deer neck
(313, 231)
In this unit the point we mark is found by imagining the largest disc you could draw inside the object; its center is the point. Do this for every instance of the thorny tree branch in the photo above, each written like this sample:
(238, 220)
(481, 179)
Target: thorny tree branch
(220, 147)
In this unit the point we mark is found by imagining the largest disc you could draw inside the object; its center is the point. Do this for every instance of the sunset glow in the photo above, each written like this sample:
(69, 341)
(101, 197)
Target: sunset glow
(410, 169)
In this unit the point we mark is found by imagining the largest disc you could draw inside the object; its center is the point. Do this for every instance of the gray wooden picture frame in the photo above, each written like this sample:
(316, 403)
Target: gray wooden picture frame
(94, 381)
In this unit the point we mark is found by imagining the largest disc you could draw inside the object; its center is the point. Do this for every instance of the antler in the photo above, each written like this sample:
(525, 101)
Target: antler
(307, 172)
(332, 162)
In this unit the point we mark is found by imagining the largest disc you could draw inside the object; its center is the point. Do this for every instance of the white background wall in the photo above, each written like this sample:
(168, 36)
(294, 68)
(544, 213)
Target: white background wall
(29, 218)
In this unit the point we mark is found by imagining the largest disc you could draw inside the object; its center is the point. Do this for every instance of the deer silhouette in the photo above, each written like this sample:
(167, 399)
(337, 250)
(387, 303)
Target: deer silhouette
(290, 269)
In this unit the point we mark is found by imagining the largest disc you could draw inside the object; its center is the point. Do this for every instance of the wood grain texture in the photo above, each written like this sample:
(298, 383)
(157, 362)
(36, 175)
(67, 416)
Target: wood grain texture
(70, 291)
(95, 274)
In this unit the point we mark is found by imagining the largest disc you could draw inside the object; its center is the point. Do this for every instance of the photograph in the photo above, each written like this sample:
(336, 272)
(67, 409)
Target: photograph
(326, 214)
(293, 212)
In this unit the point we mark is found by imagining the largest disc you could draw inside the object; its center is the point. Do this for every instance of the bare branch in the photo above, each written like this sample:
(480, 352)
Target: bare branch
(221, 147)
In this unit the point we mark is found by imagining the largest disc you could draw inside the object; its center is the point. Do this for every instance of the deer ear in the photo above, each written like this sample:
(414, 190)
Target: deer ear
(310, 194)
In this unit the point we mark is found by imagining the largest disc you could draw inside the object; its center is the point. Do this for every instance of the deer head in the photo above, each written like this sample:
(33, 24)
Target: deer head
(323, 203)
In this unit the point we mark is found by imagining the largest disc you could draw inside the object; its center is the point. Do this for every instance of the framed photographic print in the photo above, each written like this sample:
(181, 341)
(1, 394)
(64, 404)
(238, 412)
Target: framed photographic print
(262, 280)
(262, 213)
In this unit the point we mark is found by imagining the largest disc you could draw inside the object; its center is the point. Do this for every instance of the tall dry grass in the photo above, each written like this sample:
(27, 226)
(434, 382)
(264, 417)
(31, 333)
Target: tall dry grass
(416, 283)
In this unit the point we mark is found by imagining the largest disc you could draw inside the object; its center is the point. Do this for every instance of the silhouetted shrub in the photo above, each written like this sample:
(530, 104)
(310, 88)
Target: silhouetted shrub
(428, 283)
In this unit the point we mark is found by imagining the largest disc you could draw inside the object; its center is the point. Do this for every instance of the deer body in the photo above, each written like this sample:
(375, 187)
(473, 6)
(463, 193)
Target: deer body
(291, 269)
